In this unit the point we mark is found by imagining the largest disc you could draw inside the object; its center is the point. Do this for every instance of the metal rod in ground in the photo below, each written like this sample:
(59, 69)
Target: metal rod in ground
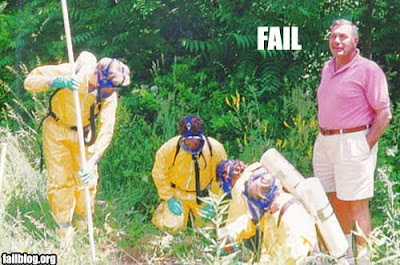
(79, 127)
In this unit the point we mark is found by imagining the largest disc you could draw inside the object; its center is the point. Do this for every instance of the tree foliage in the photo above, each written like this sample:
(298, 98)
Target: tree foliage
(199, 56)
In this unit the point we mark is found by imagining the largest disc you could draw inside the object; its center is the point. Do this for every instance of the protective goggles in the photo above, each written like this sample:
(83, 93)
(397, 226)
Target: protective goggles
(192, 150)
(257, 207)
(194, 137)
(106, 86)
(227, 182)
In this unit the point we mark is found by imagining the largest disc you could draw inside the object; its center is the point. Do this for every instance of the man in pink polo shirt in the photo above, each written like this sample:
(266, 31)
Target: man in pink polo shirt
(353, 112)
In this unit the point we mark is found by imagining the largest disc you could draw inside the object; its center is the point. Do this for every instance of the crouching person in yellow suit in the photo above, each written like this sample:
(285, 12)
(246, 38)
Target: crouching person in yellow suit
(289, 233)
(96, 83)
(185, 170)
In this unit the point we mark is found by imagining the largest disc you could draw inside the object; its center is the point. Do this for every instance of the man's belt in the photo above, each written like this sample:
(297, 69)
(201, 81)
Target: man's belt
(74, 128)
(338, 131)
(203, 193)
(86, 130)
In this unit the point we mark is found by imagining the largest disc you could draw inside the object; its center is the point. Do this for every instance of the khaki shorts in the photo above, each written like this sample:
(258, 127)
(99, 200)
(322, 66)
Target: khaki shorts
(345, 164)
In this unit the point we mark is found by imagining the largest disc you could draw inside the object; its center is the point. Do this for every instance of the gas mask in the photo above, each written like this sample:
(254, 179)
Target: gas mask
(258, 206)
(105, 86)
(191, 142)
(227, 181)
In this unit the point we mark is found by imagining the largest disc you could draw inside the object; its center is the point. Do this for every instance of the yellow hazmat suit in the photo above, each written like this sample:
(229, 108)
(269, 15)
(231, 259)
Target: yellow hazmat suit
(288, 242)
(177, 179)
(61, 147)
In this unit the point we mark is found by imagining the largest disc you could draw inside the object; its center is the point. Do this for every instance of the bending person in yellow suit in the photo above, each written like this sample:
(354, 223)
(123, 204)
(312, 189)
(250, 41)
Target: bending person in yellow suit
(185, 170)
(289, 233)
(96, 83)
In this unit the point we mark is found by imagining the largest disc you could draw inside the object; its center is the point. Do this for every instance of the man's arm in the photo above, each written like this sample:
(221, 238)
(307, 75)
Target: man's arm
(40, 78)
(107, 118)
(219, 154)
(159, 174)
(382, 118)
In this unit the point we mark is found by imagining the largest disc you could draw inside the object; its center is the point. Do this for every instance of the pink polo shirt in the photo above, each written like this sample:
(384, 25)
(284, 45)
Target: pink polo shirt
(347, 98)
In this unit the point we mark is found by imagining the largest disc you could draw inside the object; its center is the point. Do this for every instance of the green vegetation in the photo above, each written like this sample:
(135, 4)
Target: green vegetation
(186, 57)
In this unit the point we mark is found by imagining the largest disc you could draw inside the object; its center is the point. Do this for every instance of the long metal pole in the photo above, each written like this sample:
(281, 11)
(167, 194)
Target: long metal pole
(79, 127)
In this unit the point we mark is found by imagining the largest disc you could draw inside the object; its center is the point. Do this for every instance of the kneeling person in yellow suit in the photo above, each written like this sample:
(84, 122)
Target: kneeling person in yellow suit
(96, 83)
(185, 170)
(289, 233)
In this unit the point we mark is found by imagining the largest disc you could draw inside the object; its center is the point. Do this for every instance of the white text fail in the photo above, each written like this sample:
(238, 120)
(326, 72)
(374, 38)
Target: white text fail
(273, 37)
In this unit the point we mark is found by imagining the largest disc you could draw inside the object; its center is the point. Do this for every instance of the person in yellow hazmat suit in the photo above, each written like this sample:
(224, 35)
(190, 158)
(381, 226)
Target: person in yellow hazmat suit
(184, 171)
(289, 233)
(96, 83)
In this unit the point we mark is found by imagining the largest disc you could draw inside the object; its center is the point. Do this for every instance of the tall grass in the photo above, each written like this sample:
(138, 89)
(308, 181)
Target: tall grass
(21, 180)
(26, 224)
(385, 239)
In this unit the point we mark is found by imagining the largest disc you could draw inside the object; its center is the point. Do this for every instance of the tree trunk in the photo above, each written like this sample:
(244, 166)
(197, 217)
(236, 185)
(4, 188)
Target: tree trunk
(367, 37)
